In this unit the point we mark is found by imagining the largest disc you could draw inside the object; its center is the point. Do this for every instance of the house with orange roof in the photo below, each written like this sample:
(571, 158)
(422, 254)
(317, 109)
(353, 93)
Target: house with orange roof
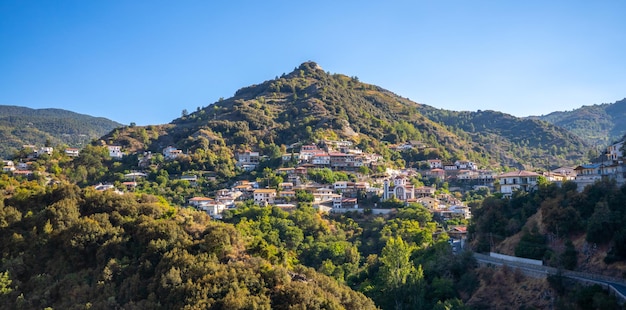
(199, 201)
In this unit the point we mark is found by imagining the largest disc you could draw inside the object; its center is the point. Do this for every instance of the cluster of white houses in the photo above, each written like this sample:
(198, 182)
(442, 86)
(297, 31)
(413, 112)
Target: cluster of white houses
(22, 167)
(169, 153)
(336, 155)
(342, 196)
(611, 167)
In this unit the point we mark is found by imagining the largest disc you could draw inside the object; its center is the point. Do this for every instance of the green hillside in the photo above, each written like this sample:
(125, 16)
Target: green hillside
(20, 126)
(310, 104)
(69, 248)
(514, 140)
(596, 124)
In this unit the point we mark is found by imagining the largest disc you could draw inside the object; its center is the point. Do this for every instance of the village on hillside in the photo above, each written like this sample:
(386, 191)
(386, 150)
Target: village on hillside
(371, 188)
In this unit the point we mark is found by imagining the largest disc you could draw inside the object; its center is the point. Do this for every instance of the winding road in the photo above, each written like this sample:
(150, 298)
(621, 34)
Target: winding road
(615, 285)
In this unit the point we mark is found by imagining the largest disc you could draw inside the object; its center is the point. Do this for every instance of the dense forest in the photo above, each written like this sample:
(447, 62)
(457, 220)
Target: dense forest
(23, 126)
(67, 248)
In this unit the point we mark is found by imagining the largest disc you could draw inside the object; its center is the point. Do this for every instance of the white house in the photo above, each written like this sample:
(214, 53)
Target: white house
(107, 187)
(72, 152)
(614, 151)
(334, 144)
(115, 151)
(341, 160)
(323, 195)
(134, 175)
(171, 153)
(464, 164)
(248, 157)
(436, 173)
(450, 167)
(264, 196)
(486, 176)
(199, 201)
(8, 166)
(517, 180)
(435, 163)
(210, 206)
(340, 185)
(321, 159)
(337, 201)
(192, 179)
(308, 151)
(590, 173)
(214, 209)
(467, 175)
(24, 173)
(48, 150)
(248, 160)
(287, 194)
(403, 147)
(463, 211)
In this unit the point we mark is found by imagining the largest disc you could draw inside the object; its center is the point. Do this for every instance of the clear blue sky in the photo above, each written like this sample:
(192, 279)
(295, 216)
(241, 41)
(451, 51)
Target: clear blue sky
(146, 61)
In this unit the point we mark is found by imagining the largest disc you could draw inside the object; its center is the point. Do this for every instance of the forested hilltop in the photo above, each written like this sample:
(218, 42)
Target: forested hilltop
(309, 104)
(24, 126)
(599, 124)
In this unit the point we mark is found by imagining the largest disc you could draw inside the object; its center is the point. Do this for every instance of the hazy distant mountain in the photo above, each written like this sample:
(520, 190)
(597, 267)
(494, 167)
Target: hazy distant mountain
(309, 104)
(597, 124)
(21, 125)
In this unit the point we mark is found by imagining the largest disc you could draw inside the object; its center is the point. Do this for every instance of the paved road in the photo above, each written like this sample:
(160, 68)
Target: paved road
(618, 286)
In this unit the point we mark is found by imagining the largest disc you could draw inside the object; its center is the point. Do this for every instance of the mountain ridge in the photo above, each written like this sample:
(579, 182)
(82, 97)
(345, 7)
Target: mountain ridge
(23, 125)
(599, 124)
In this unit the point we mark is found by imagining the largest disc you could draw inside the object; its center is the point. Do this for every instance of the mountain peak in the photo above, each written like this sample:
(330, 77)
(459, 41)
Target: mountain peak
(310, 66)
